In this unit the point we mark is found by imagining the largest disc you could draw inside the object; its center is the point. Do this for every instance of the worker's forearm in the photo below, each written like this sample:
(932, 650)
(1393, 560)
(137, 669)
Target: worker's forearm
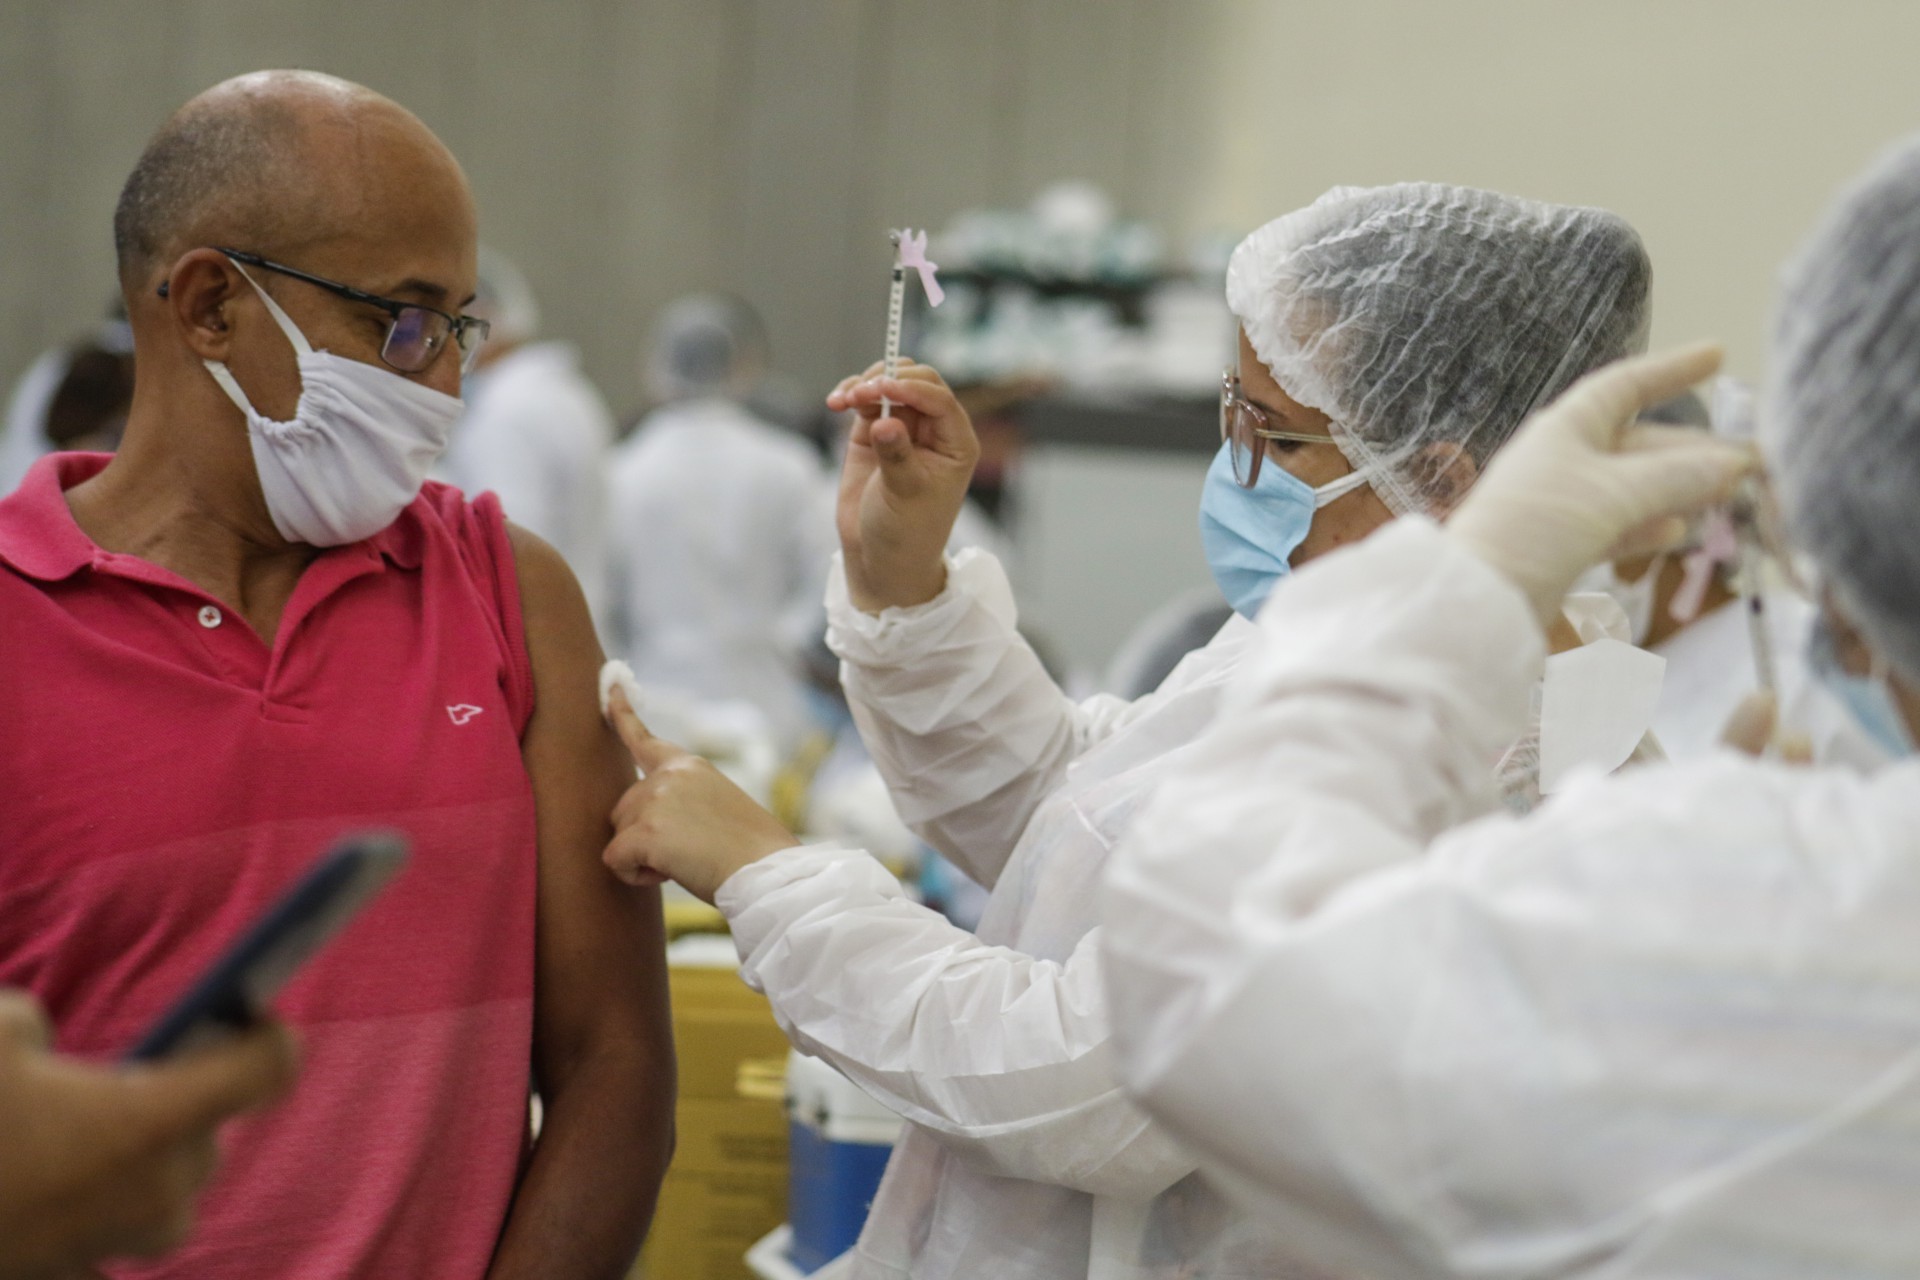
(890, 994)
(902, 581)
(962, 719)
(583, 1208)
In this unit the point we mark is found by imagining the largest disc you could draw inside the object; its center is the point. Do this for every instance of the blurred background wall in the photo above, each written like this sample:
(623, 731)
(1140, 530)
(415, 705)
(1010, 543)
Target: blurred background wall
(625, 151)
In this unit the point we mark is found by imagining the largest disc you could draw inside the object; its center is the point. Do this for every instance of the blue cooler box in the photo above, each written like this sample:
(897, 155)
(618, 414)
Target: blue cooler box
(839, 1143)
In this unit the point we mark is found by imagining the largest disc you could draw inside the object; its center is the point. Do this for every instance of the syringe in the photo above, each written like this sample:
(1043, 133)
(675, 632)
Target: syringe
(1744, 510)
(909, 250)
(896, 303)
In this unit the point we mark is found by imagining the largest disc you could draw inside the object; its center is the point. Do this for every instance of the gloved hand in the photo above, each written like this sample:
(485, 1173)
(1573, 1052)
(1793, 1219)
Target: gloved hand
(902, 485)
(683, 819)
(1581, 483)
(101, 1162)
(1754, 729)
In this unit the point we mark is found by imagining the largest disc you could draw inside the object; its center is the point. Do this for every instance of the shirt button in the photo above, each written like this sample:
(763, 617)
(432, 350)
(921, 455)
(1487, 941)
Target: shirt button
(210, 617)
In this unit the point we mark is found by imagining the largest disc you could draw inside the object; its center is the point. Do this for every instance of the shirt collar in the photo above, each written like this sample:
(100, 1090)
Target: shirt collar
(40, 538)
(38, 535)
(402, 543)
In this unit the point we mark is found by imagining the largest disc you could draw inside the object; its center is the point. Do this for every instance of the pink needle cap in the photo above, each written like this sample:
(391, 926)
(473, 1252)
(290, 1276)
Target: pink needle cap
(913, 253)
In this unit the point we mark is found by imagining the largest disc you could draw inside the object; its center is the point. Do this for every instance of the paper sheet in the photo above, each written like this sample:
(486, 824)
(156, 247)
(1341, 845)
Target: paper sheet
(1597, 703)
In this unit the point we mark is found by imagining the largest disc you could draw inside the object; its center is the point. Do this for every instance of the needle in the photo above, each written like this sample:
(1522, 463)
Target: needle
(896, 301)
(1746, 519)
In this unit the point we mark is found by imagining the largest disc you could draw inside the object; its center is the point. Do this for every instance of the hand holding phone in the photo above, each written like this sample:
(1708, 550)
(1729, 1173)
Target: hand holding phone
(105, 1161)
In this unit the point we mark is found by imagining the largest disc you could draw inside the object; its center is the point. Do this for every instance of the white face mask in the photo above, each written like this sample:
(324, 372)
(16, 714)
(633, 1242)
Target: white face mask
(358, 447)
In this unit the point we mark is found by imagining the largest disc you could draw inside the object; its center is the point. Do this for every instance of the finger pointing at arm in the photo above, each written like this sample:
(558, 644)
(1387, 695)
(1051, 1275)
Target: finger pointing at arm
(683, 820)
(649, 753)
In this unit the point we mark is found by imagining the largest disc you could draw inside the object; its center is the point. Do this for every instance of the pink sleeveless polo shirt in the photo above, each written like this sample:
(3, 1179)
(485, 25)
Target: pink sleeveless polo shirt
(164, 775)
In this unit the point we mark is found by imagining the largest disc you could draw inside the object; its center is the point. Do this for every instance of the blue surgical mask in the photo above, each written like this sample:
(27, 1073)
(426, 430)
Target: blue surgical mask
(1249, 533)
(1867, 698)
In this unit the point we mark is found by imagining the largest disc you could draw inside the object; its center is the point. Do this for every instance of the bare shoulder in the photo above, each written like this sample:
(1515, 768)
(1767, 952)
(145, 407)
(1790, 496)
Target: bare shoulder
(565, 655)
(550, 595)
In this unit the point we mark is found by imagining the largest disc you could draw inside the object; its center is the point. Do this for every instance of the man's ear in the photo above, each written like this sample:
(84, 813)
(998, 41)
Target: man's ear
(1445, 471)
(199, 293)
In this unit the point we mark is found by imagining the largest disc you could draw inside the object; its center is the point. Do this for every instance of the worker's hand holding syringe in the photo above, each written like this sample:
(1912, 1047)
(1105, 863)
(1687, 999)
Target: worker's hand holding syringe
(903, 483)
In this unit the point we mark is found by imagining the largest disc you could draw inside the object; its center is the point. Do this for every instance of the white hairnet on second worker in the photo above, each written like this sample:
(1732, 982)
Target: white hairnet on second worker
(1420, 314)
(704, 345)
(1843, 419)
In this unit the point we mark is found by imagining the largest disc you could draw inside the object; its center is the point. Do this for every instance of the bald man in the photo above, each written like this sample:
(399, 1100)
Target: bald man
(255, 629)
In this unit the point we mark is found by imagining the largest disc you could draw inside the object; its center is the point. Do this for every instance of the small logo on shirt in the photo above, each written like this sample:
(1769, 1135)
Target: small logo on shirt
(463, 712)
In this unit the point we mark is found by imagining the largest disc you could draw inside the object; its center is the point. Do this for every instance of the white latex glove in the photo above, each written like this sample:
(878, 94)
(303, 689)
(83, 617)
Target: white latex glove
(1581, 482)
(1754, 729)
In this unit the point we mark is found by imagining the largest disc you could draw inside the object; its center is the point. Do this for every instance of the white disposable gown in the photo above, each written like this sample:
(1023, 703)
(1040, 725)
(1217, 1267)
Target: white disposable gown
(1668, 1025)
(1022, 1159)
(722, 529)
(537, 433)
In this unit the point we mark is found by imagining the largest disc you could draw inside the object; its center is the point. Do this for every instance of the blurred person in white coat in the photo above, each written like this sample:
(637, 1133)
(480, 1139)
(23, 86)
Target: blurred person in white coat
(74, 398)
(23, 433)
(1669, 1024)
(535, 430)
(722, 525)
(1392, 339)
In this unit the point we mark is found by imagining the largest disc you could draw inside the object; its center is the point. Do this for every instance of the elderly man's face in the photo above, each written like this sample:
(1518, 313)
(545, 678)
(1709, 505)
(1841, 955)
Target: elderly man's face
(403, 227)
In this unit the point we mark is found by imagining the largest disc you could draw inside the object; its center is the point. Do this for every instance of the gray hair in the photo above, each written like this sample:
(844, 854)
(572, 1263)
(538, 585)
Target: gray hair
(230, 163)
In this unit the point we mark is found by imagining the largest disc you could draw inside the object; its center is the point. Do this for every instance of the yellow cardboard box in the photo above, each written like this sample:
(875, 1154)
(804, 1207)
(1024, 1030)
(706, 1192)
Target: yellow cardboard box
(708, 1220)
(716, 1133)
(711, 1045)
(728, 1184)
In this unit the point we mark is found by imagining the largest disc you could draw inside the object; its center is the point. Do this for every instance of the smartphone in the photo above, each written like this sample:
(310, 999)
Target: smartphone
(234, 992)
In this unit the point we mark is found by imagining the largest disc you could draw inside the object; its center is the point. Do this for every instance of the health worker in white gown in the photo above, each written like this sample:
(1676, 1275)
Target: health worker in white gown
(1666, 1026)
(1392, 339)
(722, 526)
(536, 431)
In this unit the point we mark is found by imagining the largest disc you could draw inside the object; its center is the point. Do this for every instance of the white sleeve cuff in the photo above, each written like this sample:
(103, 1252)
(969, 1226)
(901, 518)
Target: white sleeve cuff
(975, 579)
(756, 908)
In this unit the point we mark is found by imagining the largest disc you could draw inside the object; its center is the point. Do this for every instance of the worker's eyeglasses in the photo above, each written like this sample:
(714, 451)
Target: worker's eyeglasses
(415, 335)
(1246, 427)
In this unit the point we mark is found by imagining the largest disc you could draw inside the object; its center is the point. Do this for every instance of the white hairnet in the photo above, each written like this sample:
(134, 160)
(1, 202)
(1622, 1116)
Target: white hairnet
(504, 298)
(705, 344)
(1421, 314)
(1843, 419)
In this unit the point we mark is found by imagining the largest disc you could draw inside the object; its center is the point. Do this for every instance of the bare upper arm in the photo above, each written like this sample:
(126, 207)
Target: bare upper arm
(600, 962)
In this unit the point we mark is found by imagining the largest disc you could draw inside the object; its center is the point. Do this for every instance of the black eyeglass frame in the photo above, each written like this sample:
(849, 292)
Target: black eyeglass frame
(1232, 404)
(458, 327)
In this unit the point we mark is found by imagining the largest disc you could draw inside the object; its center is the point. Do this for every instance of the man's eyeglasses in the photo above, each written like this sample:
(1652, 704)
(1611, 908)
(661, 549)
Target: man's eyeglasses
(415, 333)
(1246, 426)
